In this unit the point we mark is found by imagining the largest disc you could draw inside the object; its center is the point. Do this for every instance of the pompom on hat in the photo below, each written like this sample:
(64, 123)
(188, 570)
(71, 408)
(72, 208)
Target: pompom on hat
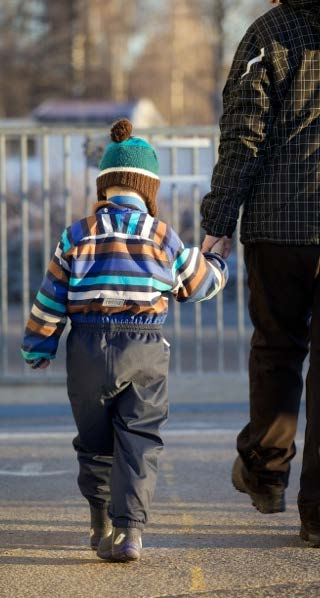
(129, 162)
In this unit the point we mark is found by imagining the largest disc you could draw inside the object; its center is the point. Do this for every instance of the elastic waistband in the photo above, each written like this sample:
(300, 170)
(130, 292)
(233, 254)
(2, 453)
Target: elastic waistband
(119, 326)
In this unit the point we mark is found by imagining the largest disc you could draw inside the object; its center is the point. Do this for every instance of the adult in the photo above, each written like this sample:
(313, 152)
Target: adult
(269, 162)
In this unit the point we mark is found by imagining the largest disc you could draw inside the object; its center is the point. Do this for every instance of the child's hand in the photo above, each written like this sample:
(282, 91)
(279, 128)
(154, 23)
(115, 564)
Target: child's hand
(40, 364)
(44, 364)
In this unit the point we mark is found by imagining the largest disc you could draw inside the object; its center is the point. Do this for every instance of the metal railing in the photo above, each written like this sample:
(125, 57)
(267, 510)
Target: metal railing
(47, 178)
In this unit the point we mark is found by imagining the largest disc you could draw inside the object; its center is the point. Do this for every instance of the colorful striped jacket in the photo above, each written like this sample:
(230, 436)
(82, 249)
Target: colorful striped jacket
(115, 266)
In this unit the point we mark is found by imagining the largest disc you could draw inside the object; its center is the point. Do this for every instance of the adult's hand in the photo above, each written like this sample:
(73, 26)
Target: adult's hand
(220, 245)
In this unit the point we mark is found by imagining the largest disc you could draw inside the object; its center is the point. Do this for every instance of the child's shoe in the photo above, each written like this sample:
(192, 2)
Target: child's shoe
(126, 544)
(101, 526)
(104, 550)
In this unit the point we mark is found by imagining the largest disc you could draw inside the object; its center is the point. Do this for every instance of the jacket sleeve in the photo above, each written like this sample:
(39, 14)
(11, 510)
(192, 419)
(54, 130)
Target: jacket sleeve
(197, 278)
(48, 314)
(248, 115)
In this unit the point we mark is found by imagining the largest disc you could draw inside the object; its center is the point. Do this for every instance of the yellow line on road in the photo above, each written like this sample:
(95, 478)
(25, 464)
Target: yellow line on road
(187, 519)
(197, 579)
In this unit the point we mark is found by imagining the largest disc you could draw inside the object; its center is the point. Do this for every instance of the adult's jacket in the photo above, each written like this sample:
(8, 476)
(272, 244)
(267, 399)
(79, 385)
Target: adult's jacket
(269, 154)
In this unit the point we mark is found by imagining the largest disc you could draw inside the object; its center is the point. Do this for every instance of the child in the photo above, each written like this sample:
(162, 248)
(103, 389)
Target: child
(108, 275)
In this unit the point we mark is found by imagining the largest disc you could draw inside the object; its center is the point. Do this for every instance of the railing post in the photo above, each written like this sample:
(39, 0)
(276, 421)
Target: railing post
(46, 202)
(176, 304)
(25, 229)
(240, 303)
(196, 240)
(176, 227)
(87, 189)
(219, 297)
(4, 256)
(67, 179)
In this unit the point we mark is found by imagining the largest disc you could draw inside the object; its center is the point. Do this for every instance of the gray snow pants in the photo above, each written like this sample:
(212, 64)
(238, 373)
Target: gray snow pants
(117, 386)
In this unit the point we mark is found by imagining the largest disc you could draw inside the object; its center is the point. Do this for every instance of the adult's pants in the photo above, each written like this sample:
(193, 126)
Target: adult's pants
(284, 306)
(117, 386)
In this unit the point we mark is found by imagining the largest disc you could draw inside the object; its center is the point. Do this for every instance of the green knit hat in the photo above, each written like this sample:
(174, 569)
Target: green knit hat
(129, 162)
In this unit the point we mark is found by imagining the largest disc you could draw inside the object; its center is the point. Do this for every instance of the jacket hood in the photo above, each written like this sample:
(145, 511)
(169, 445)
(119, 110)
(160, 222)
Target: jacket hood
(310, 8)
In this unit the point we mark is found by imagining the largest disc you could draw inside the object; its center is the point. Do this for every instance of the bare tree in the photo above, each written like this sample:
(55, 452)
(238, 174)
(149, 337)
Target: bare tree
(172, 52)
(19, 29)
(54, 74)
(181, 67)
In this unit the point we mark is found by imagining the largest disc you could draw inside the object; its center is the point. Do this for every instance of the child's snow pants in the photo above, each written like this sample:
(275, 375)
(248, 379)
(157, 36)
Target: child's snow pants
(117, 385)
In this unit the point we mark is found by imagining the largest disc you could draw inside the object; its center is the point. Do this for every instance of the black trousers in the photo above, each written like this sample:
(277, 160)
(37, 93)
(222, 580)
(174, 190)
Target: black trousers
(284, 306)
(117, 385)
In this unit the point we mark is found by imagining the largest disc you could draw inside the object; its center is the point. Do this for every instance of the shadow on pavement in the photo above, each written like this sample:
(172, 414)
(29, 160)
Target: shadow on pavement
(174, 538)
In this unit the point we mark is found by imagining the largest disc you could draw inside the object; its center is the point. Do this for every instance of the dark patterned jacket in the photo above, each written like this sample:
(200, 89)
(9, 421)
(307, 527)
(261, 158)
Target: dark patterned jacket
(269, 154)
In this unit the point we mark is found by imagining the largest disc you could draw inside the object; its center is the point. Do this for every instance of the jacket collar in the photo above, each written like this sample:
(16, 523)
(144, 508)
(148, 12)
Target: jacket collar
(309, 8)
(302, 3)
(121, 201)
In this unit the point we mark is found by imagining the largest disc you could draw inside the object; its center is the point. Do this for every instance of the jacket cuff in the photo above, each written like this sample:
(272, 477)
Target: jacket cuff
(218, 261)
(218, 231)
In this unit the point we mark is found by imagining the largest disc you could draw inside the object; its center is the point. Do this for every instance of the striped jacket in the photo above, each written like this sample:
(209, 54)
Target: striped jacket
(269, 154)
(115, 266)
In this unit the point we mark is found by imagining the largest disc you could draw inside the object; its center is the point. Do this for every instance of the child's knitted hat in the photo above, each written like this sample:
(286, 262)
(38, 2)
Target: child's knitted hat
(129, 162)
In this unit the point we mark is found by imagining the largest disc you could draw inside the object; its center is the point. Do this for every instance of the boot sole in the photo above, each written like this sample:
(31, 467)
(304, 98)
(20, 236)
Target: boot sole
(264, 503)
(130, 555)
(105, 556)
(313, 540)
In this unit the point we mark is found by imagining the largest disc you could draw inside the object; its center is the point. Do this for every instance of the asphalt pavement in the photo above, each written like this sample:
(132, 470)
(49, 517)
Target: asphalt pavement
(203, 539)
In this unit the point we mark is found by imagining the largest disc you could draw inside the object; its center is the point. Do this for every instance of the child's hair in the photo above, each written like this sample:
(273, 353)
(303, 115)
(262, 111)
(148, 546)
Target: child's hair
(129, 162)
